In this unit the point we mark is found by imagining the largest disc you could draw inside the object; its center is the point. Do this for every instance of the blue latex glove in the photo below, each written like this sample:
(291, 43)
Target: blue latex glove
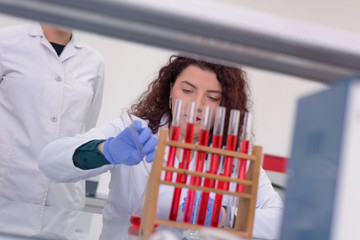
(123, 148)
(209, 210)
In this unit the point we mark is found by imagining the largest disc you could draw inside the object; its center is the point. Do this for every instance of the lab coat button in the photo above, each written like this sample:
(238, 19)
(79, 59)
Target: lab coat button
(58, 79)
(53, 119)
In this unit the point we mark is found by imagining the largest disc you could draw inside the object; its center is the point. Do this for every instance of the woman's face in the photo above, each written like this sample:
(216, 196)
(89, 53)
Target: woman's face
(195, 84)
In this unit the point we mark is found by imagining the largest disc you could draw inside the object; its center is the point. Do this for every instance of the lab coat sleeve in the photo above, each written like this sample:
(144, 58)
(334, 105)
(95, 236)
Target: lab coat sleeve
(269, 209)
(95, 106)
(56, 162)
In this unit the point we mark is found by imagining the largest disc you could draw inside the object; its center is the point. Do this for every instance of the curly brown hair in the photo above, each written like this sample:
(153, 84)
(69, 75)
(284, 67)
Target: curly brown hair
(154, 102)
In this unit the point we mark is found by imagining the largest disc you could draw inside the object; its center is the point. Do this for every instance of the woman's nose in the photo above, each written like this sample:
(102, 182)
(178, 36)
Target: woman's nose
(200, 103)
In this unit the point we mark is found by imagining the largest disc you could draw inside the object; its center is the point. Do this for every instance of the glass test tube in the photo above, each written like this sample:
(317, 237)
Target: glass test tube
(214, 162)
(181, 178)
(230, 145)
(200, 159)
(135, 218)
(174, 135)
(134, 134)
(244, 148)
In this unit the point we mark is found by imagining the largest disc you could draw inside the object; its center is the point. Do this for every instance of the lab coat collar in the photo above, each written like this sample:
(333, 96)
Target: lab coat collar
(70, 48)
(36, 30)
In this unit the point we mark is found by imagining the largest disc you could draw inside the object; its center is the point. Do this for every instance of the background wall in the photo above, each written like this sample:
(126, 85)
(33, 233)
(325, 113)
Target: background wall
(130, 67)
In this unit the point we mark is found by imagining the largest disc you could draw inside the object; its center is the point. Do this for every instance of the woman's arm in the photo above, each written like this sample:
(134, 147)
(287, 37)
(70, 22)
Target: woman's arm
(56, 159)
(80, 157)
(88, 156)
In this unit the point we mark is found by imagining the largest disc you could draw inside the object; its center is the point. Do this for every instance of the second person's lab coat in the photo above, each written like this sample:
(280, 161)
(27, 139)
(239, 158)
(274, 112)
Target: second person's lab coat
(43, 97)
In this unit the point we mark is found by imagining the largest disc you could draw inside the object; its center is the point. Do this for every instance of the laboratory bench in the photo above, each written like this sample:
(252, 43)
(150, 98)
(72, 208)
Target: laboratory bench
(94, 204)
(29, 221)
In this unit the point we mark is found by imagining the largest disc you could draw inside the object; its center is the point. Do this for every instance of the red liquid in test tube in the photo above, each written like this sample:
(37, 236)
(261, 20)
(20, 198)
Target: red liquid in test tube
(135, 220)
(228, 165)
(210, 183)
(200, 159)
(189, 135)
(214, 162)
(174, 135)
(230, 145)
(181, 178)
(245, 144)
(244, 148)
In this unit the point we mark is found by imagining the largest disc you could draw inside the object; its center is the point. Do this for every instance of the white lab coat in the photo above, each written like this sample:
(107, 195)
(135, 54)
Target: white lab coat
(43, 97)
(128, 182)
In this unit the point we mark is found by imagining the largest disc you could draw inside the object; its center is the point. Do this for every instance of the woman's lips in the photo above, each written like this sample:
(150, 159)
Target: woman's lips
(197, 118)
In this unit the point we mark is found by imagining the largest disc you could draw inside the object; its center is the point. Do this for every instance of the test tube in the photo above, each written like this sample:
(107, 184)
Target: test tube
(244, 148)
(135, 218)
(134, 134)
(228, 164)
(181, 178)
(174, 135)
(200, 159)
(214, 161)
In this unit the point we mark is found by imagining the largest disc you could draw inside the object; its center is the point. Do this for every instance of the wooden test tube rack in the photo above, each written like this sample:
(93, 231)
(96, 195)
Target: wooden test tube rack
(247, 199)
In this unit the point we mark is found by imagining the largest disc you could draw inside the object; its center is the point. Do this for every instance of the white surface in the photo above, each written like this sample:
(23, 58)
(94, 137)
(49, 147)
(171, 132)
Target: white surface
(347, 208)
(277, 178)
(95, 227)
(94, 205)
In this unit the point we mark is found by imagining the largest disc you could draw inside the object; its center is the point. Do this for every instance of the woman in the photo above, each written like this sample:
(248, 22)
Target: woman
(187, 79)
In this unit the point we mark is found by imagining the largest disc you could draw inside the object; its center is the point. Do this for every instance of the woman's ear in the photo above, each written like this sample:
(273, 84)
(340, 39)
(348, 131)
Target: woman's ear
(171, 89)
(170, 96)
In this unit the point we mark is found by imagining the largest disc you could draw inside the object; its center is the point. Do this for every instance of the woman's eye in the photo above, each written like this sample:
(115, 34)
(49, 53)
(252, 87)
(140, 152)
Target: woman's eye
(187, 91)
(214, 99)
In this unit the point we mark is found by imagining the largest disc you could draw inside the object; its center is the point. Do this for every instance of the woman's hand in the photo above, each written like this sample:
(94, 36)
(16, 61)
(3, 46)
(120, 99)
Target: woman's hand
(124, 148)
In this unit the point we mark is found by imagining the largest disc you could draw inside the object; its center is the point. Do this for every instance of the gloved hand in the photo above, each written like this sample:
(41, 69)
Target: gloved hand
(122, 149)
(209, 210)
